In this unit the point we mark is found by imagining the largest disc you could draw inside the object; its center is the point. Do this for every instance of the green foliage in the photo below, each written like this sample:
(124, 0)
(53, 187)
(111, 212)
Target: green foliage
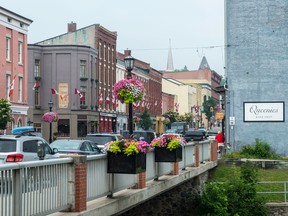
(5, 111)
(182, 70)
(235, 196)
(145, 121)
(172, 116)
(260, 150)
(206, 105)
(187, 117)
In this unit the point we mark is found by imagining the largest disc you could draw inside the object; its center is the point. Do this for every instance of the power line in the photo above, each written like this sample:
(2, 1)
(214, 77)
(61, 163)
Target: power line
(177, 48)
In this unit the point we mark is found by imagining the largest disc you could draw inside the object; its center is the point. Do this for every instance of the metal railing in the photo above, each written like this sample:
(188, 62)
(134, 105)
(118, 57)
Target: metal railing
(281, 189)
(44, 187)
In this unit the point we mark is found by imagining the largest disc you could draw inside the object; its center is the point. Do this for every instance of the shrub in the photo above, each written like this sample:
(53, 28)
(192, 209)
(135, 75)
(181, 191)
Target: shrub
(236, 196)
(261, 150)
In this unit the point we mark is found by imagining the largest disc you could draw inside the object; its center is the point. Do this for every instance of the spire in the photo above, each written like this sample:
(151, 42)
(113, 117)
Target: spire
(170, 66)
(204, 64)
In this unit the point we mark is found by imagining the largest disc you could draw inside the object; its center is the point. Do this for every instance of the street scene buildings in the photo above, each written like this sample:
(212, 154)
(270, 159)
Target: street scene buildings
(73, 74)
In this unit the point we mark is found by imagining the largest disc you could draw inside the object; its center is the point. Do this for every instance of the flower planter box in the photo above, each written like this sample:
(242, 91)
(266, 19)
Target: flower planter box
(165, 155)
(121, 163)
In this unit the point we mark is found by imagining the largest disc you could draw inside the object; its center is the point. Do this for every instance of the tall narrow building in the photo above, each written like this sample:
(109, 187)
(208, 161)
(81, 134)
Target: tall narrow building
(170, 66)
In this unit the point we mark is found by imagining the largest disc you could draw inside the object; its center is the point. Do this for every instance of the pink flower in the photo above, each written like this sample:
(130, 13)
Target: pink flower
(50, 117)
(128, 90)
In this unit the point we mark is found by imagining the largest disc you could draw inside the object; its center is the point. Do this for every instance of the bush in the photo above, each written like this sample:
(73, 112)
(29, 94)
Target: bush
(260, 150)
(236, 196)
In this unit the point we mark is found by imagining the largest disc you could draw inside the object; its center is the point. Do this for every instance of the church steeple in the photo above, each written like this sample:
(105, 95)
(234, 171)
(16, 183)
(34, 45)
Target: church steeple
(204, 64)
(170, 66)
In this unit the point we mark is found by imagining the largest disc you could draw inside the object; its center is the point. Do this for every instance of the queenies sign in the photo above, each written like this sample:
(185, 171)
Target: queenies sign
(264, 111)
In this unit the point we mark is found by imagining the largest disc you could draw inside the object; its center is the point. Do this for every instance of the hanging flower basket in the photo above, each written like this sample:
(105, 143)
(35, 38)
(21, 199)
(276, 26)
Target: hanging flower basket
(50, 117)
(128, 90)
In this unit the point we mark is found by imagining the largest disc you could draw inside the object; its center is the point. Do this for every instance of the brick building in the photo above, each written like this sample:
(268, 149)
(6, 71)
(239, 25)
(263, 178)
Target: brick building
(13, 61)
(103, 40)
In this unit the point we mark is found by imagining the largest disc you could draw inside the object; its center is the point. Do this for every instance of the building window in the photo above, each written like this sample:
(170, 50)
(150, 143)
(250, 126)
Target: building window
(83, 92)
(37, 97)
(8, 80)
(63, 128)
(20, 49)
(82, 128)
(83, 69)
(8, 43)
(37, 68)
(20, 85)
(9, 19)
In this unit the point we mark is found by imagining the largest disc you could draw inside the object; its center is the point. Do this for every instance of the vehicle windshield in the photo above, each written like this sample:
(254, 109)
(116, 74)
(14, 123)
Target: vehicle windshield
(65, 145)
(7, 145)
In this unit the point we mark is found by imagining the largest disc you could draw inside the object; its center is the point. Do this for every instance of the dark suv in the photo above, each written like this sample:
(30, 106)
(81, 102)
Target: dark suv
(101, 138)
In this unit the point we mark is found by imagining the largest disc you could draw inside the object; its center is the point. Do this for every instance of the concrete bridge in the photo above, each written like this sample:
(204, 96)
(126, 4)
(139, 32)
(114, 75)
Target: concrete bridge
(80, 185)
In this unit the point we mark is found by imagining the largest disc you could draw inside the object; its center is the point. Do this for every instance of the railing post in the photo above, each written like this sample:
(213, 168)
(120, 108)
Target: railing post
(213, 153)
(176, 168)
(77, 189)
(17, 187)
(197, 155)
(142, 180)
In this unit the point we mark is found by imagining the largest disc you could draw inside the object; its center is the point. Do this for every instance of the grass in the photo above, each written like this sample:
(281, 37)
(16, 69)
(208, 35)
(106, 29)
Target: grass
(223, 172)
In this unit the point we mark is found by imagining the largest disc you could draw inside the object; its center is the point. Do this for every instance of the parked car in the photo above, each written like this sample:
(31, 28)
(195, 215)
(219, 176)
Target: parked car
(197, 135)
(210, 135)
(81, 147)
(26, 130)
(101, 138)
(147, 136)
(21, 148)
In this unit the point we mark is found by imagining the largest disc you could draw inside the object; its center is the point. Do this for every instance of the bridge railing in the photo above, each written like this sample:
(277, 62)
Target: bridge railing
(44, 187)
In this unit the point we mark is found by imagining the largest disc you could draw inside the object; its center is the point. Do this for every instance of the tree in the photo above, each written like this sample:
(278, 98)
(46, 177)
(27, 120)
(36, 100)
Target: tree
(172, 116)
(207, 107)
(187, 117)
(5, 111)
(145, 121)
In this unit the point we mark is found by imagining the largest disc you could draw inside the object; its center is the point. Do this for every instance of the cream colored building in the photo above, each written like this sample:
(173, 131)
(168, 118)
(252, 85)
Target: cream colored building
(185, 95)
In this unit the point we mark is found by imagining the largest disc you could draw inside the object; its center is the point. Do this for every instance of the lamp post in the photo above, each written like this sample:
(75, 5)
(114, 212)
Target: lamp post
(129, 64)
(50, 104)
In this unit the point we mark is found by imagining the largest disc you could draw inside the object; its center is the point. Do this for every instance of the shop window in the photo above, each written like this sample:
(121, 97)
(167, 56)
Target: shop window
(64, 128)
(82, 128)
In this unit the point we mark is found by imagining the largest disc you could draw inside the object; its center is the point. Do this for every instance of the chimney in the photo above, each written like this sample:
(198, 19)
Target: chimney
(71, 27)
(127, 52)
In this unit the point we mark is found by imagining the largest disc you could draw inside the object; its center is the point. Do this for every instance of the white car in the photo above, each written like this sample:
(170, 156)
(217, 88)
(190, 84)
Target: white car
(19, 148)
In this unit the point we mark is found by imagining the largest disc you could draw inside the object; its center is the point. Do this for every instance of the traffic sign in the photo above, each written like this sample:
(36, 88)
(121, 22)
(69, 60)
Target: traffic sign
(219, 115)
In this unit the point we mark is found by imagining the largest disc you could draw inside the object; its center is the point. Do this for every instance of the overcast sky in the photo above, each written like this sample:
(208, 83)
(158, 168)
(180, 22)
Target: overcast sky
(195, 27)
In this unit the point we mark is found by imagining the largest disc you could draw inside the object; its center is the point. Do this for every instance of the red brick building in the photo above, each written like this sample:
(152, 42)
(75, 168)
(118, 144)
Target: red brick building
(13, 61)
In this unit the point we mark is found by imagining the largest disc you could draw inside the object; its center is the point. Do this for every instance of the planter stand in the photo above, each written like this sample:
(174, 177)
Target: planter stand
(165, 155)
(123, 164)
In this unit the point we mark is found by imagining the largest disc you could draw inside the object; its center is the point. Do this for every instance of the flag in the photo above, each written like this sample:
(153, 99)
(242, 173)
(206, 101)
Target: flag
(100, 97)
(53, 91)
(80, 95)
(108, 99)
(11, 87)
(143, 105)
(36, 85)
(177, 106)
(113, 100)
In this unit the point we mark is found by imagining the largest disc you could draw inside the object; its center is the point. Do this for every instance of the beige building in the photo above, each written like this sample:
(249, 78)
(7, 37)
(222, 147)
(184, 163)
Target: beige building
(185, 95)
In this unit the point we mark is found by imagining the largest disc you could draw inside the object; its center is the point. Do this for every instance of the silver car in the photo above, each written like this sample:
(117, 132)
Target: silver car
(19, 148)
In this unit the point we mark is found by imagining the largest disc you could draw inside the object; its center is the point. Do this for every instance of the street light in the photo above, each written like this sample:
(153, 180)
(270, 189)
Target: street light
(129, 64)
(50, 104)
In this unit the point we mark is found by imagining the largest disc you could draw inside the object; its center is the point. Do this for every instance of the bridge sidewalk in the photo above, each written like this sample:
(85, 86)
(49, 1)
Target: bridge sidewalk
(128, 198)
